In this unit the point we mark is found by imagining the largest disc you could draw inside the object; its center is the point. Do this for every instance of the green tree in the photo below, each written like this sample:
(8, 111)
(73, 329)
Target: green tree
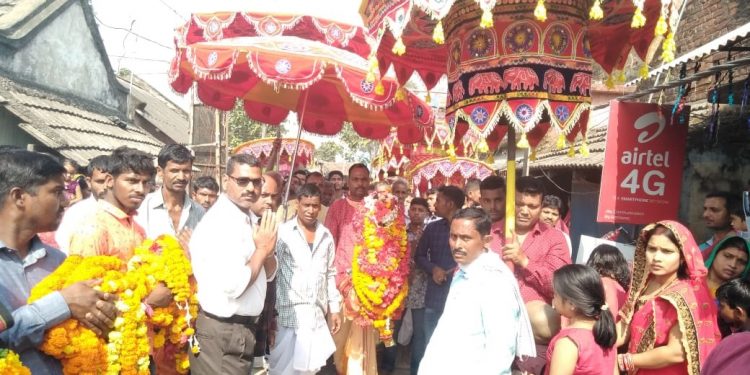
(243, 129)
(357, 149)
(328, 151)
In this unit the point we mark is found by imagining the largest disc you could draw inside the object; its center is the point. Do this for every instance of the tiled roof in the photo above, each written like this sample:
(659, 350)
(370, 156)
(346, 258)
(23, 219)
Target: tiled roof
(158, 110)
(20, 18)
(70, 128)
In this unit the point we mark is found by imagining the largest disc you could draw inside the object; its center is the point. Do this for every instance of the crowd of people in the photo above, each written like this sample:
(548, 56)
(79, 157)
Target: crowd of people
(274, 281)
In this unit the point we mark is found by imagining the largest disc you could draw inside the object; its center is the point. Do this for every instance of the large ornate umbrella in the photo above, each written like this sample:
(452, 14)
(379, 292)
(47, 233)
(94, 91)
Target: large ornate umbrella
(523, 64)
(393, 156)
(432, 170)
(281, 63)
(267, 150)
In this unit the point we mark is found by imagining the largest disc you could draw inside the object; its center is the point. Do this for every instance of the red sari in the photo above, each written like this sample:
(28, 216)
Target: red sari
(685, 302)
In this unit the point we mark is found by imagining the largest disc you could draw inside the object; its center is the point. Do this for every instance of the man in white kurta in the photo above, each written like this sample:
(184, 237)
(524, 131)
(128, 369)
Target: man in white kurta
(306, 291)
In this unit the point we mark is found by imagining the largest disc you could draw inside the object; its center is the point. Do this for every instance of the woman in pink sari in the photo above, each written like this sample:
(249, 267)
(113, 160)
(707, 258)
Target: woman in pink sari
(669, 319)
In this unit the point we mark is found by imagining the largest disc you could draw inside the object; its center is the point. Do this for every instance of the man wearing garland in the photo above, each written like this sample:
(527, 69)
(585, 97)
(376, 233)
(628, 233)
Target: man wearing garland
(345, 220)
(307, 292)
(232, 260)
(32, 201)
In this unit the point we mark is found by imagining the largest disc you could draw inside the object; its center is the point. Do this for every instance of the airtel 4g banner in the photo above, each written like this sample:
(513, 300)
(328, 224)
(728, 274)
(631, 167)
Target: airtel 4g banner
(643, 163)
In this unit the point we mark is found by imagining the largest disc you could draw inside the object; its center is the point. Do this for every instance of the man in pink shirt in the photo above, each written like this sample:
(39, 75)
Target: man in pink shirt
(344, 220)
(534, 251)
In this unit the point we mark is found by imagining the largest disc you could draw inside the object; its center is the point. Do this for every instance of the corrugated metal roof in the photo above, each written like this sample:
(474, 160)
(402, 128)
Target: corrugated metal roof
(74, 131)
(706, 49)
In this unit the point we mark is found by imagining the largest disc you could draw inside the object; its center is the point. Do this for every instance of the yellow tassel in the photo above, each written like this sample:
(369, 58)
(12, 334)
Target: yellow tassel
(540, 12)
(620, 78)
(428, 98)
(532, 155)
(610, 83)
(571, 151)
(661, 26)
(584, 149)
(668, 48)
(561, 142)
(638, 19)
(483, 147)
(379, 88)
(437, 33)
(401, 148)
(372, 68)
(452, 153)
(399, 48)
(596, 12)
(400, 94)
(523, 142)
(643, 72)
(486, 21)
(491, 159)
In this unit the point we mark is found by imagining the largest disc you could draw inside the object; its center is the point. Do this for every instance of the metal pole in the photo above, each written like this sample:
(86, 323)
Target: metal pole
(526, 162)
(217, 138)
(294, 156)
(510, 185)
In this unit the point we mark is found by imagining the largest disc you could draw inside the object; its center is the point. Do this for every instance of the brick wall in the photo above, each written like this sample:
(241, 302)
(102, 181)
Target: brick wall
(702, 22)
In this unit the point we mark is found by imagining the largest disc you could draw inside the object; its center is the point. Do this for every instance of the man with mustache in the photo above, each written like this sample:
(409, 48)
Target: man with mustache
(345, 220)
(96, 176)
(170, 210)
(233, 260)
(484, 322)
(533, 252)
(32, 201)
(308, 300)
(434, 255)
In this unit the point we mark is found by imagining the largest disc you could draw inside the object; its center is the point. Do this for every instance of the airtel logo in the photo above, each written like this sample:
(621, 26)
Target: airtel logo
(646, 122)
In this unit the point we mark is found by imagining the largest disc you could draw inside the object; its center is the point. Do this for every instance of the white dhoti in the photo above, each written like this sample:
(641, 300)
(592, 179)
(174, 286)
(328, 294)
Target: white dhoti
(301, 351)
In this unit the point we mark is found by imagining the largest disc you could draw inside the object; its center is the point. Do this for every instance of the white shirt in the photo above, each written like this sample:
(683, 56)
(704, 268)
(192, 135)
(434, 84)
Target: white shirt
(484, 323)
(220, 247)
(153, 215)
(73, 217)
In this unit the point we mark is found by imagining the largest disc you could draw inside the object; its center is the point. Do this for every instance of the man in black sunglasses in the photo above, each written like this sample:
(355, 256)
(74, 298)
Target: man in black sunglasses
(233, 259)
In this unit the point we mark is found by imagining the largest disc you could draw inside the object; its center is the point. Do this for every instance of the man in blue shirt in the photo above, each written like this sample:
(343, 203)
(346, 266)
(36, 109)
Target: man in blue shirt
(32, 201)
(484, 324)
(434, 255)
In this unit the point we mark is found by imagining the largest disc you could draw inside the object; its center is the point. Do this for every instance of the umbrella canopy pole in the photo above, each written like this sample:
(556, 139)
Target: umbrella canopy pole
(510, 186)
(294, 156)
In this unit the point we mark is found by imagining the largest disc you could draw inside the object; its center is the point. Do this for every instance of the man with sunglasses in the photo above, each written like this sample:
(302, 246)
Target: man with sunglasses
(232, 258)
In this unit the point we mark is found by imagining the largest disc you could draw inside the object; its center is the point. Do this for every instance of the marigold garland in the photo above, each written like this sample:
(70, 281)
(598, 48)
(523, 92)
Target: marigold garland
(10, 364)
(127, 346)
(380, 265)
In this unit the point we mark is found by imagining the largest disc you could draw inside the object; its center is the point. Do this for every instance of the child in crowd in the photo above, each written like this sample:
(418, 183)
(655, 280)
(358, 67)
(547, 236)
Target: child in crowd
(72, 188)
(615, 273)
(586, 345)
(732, 354)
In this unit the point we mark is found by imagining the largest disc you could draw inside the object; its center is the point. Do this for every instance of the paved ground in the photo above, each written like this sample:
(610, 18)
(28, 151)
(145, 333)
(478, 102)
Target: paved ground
(402, 366)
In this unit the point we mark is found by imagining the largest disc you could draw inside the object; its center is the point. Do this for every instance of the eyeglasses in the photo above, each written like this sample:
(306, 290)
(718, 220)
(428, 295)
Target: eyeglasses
(244, 181)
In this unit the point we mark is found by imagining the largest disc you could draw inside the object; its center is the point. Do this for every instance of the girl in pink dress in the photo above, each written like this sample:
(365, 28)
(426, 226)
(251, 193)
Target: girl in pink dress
(613, 268)
(586, 345)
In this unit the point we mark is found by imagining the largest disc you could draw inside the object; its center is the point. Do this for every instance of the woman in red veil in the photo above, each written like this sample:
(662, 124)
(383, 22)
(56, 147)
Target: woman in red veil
(669, 319)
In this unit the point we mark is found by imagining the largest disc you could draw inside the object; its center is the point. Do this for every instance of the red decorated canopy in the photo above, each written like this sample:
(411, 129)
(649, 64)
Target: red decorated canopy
(281, 63)
(263, 148)
(428, 171)
(514, 62)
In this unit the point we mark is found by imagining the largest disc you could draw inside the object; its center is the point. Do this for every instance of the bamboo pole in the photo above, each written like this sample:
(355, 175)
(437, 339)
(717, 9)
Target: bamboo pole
(510, 186)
